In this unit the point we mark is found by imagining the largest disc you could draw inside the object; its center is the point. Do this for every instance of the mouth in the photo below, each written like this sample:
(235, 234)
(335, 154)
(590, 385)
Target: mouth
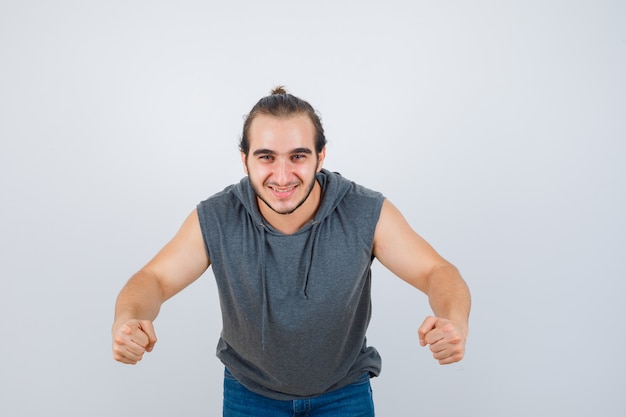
(282, 192)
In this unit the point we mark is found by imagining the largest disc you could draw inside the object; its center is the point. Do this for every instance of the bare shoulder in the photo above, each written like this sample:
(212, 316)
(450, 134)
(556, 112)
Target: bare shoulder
(183, 259)
(391, 229)
(402, 250)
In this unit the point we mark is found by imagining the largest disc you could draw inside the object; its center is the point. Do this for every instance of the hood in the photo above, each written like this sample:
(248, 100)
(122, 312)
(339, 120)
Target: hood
(334, 188)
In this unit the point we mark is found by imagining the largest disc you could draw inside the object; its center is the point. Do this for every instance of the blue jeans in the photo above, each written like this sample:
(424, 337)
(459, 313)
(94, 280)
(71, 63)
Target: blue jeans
(354, 400)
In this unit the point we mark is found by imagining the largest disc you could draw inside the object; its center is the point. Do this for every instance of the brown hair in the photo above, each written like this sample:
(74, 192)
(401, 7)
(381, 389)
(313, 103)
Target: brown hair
(282, 104)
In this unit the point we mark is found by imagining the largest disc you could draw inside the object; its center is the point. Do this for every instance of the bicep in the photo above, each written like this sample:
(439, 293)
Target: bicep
(182, 260)
(401, 250)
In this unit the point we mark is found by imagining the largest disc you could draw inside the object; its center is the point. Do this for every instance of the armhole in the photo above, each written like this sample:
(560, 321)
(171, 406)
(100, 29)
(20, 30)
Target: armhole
(203, 225)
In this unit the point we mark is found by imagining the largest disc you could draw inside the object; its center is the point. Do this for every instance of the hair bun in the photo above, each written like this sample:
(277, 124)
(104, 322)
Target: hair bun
(279, 90)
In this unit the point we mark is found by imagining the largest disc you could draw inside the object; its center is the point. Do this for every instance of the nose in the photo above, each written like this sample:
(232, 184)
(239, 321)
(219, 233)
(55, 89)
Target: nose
(282, 172)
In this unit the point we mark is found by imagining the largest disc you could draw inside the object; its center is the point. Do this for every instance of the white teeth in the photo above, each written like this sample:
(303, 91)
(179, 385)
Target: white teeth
(282, 190)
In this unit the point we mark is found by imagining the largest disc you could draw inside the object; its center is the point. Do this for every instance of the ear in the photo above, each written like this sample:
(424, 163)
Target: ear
(243, 161)
(320, 161)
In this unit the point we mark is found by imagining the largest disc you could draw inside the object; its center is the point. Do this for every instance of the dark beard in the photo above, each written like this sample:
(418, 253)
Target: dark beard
(258, 194)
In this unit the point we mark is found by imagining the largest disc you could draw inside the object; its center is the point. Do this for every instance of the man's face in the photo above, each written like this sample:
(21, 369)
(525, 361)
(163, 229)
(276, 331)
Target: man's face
(281, 163)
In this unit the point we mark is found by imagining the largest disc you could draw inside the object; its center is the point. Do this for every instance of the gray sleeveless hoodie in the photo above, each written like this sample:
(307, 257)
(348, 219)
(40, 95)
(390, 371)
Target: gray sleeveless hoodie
(295, 308)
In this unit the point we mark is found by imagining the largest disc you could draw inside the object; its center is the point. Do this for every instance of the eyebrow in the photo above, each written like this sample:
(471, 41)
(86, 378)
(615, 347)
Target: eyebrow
(271, 152)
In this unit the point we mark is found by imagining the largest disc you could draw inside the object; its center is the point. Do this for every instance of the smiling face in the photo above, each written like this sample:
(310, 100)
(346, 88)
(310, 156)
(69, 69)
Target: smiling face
(281, 165)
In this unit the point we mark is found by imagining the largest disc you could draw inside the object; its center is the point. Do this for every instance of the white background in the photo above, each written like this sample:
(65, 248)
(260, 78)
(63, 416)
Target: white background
(497, 127)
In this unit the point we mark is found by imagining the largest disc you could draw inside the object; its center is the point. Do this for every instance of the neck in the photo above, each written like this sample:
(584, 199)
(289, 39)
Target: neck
(291, 223)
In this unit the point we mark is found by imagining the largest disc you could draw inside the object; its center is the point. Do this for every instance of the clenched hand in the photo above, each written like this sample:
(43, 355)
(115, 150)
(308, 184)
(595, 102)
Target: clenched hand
(132, 339)
(446, 340)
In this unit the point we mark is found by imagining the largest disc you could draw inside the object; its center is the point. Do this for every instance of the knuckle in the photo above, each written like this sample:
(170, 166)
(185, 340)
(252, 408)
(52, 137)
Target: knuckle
(448, 328)
(126, 329)
(118, 340)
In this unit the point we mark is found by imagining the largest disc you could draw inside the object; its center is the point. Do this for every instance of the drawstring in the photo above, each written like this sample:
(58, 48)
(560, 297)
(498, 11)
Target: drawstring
(310, 249)
(265, 312)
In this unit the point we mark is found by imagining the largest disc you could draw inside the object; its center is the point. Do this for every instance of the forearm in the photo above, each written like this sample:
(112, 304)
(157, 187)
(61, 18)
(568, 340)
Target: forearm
(449, 296)
(141, 298)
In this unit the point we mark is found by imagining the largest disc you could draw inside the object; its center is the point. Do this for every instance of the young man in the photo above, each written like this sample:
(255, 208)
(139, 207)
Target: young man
(291, 246)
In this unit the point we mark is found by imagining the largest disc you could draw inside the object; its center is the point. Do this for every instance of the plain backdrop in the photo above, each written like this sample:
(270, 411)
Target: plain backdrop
(497, 127)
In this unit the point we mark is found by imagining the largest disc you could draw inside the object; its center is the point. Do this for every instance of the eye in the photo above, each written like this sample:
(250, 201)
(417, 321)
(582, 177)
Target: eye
(298, 157)
(266, 157)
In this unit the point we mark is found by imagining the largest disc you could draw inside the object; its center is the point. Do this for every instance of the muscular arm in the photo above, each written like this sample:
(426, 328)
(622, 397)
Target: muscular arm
(411, 258)
(176, 266)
